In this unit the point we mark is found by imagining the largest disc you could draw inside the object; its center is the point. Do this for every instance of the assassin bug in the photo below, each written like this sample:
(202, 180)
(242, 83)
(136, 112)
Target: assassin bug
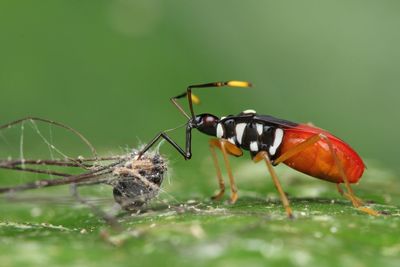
(303, 147)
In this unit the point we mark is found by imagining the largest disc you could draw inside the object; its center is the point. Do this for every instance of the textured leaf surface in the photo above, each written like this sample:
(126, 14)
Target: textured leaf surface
(190, 230)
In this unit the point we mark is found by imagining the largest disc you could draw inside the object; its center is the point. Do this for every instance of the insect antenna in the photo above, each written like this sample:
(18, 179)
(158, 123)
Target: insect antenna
(193, 99)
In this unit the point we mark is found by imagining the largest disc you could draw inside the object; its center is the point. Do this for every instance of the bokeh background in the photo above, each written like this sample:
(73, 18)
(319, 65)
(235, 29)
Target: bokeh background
(109, 67)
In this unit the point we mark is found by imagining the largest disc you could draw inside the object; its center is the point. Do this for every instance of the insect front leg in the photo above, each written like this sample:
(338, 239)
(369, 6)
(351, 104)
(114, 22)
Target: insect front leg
(215, 143)
(186, 153)
(227, 149)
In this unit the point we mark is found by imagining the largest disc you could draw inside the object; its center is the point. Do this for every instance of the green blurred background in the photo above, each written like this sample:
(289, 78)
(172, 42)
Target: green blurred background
(109, 67)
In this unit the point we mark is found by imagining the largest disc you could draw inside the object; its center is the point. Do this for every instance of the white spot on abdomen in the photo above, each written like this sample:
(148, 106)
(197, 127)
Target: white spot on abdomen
(253, 146)
(277, 141)
(220, 130)
(260, 128)
(239, 131)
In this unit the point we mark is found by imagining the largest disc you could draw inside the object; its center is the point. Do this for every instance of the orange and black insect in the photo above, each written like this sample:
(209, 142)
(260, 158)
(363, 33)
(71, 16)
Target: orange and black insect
(303, 147)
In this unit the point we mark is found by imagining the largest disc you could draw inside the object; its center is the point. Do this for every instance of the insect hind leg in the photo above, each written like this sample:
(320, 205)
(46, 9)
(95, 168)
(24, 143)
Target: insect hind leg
(357, 203)
(346, 195)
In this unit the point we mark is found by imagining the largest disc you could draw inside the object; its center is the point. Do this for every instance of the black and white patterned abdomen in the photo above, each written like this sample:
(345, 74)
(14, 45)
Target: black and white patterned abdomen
(251, 134)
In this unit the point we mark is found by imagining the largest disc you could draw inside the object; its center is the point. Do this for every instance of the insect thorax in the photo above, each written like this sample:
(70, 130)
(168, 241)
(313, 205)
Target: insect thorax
(248, 132)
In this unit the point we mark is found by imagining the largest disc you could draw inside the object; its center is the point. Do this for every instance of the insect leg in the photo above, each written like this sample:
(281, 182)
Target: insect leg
(83, 138)
(234, 194)
(49, 172)
(357, 203)
(77, 163)
(215, 143)
(187, 153)
(61, 181)
(344, 194)
(62, 163)
(297, 149)
(263, 155)
(311, 141)
(227, 149)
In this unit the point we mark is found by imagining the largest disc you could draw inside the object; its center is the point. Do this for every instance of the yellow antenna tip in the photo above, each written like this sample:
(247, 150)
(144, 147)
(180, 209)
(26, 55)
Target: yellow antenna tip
(238, 84)
(195, 99)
